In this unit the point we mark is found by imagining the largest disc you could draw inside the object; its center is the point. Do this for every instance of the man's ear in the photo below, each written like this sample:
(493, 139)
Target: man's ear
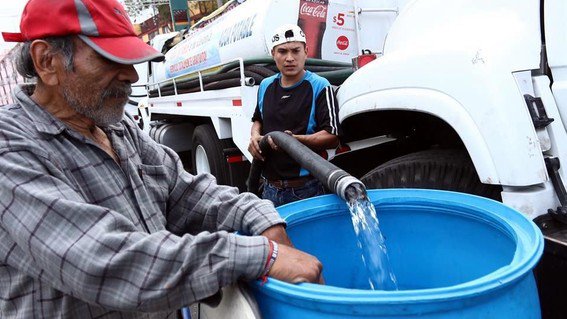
(306, 49)
(272, 51)
(47, 65)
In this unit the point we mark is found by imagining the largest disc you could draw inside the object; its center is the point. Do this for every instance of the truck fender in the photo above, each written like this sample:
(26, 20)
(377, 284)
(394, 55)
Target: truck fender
(437, 104)
(496, 160)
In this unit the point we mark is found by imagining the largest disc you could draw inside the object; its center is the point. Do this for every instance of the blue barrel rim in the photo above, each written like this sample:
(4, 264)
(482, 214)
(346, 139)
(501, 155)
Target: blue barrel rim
(525, 231)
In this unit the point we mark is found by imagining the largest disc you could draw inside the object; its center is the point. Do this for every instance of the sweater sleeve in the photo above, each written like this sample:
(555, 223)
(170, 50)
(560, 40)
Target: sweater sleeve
(100, 256)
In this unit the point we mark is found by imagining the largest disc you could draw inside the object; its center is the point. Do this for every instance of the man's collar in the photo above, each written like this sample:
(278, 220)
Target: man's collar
(44, 122)
(294, 85)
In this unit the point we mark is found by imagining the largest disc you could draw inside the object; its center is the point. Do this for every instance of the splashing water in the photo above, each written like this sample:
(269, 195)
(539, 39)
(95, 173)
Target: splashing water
(370, 240)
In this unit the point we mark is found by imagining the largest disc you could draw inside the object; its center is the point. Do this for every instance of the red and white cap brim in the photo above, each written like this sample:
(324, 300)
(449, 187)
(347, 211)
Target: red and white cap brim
(123, 50)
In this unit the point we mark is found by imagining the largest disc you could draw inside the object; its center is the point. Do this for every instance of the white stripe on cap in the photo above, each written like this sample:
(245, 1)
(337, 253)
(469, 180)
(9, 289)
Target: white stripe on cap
(88, 27)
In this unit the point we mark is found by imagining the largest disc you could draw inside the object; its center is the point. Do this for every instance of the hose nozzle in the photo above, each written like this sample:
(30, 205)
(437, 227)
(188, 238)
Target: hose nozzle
(349, 187)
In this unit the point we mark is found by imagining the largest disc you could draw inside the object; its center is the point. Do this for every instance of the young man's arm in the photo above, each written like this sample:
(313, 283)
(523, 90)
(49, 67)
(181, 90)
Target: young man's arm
(318, 141)
(327, 131)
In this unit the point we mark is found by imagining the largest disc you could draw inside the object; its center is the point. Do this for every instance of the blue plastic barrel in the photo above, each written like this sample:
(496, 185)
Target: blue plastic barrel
(454, 255)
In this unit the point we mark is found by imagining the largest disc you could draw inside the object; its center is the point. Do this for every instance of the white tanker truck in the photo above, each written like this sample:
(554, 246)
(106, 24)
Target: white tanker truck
(465, 95)
(201, 99)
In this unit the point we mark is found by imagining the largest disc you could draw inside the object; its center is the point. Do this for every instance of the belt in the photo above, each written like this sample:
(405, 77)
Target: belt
(290, 183)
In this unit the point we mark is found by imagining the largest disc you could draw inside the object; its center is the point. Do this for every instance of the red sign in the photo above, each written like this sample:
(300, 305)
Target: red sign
(342, 43)
(313, 21)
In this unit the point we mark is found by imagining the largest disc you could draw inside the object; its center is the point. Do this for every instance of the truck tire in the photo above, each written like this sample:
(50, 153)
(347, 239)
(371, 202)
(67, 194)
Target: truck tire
(208, 156)
(434, 169)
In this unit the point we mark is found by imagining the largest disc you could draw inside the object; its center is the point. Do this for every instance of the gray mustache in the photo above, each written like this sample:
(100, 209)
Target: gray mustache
(121, 91)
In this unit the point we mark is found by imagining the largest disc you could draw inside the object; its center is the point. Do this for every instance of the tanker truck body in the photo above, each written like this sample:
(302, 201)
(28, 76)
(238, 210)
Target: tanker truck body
(461, 92)
(464, 95)
(200, 100)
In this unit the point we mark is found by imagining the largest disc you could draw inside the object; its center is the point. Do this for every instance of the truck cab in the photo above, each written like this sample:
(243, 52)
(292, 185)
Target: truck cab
(473, 80)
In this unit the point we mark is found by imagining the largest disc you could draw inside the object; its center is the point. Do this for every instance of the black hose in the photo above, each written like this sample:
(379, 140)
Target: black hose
(251, 74)
(312, 61)
(334, 178)
(324, 68)
(268, 60)
(223, 84)
(187, 85)
(253, 181)
(263, 71)
(336, 77)
(218, 85)
(215, 81)
(258, 69)
(235, 64)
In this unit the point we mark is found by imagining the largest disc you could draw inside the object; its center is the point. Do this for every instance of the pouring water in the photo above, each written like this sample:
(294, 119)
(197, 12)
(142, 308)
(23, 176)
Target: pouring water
(370, 240)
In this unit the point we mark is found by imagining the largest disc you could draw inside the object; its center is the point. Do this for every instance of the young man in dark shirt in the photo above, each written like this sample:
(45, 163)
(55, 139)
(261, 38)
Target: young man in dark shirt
(299, 103)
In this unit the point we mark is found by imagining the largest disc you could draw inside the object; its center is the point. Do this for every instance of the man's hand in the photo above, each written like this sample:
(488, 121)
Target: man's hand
(278, 234)
(273, 144)
(295, 266)
(292, 265)
(254, 146)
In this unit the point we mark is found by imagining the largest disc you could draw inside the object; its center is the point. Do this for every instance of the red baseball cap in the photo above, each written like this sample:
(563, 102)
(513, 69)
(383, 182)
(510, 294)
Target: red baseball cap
(101, 24)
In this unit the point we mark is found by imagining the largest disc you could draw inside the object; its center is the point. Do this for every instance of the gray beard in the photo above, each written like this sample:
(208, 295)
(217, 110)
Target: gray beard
(95, 109)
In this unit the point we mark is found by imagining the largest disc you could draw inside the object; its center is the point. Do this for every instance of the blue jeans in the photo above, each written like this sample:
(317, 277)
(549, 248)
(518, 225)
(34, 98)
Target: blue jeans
(280, 196)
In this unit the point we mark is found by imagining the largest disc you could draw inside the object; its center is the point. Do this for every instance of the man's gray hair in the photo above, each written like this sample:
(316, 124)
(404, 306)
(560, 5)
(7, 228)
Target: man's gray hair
(59, 45)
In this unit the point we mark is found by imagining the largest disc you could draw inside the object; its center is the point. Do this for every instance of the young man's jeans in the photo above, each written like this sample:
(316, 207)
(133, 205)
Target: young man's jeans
(280, 196)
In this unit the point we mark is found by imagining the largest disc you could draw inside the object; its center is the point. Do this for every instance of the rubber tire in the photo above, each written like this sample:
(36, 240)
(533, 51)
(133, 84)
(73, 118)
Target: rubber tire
(205, 137)
(434, 169)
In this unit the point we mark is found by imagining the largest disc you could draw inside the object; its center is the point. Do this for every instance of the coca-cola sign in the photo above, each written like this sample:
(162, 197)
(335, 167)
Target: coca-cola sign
(342, 43)
(313, 10)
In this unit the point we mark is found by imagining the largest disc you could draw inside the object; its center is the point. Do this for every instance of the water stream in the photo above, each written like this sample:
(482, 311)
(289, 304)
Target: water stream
(370, 240)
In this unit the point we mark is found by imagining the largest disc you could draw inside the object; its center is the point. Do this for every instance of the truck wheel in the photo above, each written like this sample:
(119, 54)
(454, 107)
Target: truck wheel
(435, 169)
(208, 154)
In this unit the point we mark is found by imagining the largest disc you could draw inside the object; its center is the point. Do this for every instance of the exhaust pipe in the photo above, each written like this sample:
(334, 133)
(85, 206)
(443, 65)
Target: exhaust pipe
(334, 178)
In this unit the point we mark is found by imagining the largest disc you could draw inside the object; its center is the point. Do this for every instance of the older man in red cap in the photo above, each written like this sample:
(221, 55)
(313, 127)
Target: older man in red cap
(99, 221)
